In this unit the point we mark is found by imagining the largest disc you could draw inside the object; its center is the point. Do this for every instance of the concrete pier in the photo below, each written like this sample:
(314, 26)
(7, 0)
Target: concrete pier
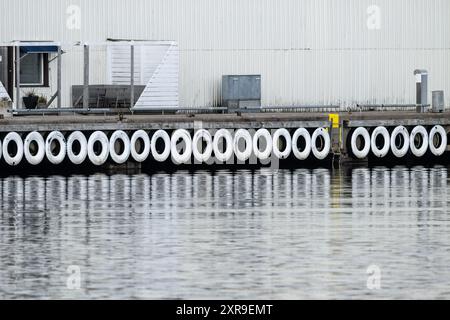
(340, 125)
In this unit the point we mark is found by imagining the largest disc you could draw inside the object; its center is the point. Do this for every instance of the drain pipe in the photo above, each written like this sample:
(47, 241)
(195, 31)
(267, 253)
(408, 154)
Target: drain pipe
(422, 90)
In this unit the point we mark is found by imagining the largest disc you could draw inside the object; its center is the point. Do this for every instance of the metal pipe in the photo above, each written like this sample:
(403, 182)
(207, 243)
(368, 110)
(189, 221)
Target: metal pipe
(59, 77)
(18, 77)
(132, 77)
(421, 89)
(86, 78)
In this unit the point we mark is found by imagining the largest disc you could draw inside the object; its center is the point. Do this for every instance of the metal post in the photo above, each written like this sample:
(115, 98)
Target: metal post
(132, 77)
(86, 78)
(59, 77)
(18, 77)
(422, 90)
(418, 92)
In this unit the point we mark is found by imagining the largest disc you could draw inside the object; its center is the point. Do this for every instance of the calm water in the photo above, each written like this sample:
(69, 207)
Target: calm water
(229, 235)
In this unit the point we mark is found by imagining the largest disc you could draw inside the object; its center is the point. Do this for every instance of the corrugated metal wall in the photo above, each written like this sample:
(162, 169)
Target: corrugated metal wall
(307, 51)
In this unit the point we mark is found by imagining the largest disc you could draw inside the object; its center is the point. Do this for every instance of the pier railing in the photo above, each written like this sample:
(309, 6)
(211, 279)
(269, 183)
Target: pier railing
(213, 110)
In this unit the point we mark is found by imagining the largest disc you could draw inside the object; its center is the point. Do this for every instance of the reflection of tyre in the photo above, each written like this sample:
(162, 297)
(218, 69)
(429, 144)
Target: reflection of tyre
(140, 146)
(438, 141)
(202, 155)
(185, 157)
(259, 135)
(321, 143)
(223, 156)
(163, 155)
(77, 147)
(55, 147)
(380, 150)
(98, 140)
(307, 149)
(360, 152)
(15, 157)
(419, 135)
(121, 138)
(400, 142)
(34, 148)
(282, 154)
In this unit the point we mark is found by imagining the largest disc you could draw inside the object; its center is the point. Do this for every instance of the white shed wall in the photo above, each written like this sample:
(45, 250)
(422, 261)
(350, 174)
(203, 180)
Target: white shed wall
(307, 51)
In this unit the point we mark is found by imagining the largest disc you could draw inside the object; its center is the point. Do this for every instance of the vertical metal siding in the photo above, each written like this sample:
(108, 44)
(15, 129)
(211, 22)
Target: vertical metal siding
(307, 51)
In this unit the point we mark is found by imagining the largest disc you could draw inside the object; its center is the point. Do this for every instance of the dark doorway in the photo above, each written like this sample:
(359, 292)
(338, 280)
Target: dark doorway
(7, 69)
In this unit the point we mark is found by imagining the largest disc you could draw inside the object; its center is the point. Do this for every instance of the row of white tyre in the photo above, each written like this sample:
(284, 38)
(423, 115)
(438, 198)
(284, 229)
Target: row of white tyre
(400, 142)
(98, 147)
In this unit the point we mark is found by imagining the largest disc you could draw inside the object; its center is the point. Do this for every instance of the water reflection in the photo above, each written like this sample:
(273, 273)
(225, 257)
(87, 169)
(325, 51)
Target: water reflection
(264, 234)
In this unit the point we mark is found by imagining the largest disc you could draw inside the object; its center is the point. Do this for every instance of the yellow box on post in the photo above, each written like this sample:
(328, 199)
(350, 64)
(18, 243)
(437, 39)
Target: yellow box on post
(334, 119)
(336, 134)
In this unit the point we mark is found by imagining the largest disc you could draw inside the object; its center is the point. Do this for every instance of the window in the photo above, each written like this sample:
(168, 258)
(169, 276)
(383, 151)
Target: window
(34, 70)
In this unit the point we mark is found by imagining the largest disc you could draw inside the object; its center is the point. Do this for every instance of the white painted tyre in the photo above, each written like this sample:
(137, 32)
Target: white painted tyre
(440, 133)
(301, 133)
(282, 133)
(356, 150)
(34, 157)
(79, 155)
(140, 146)
(381, 152)
(13, 160)
(326, 143)
(244, 135)
(262, 154)
(419, 151)
(223, 156)
(185, 157)
(165, 154)
(53, 138)
(98, 159)
(401, 150)
(200, 136)
(124, 155)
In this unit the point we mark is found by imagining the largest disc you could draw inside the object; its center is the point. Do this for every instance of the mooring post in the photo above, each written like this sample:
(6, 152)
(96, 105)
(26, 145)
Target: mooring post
(86, 78)
(59, 77)
(132, 77)
(336, 137)
(17, 76)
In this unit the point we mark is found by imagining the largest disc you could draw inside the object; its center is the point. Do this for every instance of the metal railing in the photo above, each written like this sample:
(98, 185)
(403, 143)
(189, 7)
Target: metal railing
(212, 110)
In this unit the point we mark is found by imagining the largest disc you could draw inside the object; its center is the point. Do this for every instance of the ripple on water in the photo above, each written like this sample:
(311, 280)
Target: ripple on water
(235, 235)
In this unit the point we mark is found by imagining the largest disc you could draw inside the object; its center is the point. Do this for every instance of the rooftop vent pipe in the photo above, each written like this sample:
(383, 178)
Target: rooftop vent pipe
(422, 90)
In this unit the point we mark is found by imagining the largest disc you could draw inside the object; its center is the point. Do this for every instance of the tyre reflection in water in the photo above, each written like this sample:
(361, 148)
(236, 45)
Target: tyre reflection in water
(234, 235)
